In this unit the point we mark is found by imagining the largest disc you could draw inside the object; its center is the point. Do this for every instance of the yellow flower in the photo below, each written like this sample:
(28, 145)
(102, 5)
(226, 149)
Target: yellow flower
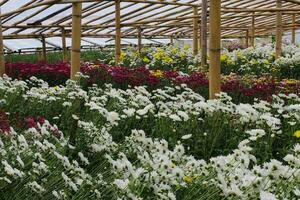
(188, 179)
(146, 60)
(167, 59)
(182, 55)
(297, 134)
(223, 57)
(186, 47)
(159, 50)
(122, 56)
(158, 55)
(157, 73)
(174, 50)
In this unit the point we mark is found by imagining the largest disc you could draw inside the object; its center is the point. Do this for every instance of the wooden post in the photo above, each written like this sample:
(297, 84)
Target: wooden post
(140, 39)
(39, 54)
(215, 48)
(278, 30)
(204, 34)
(200, 38)
(171, 39)
(294, 29)
(64, 45)
(44, 49)
(76, 39)
(253, 30)
(2, 61)
(118, 30)
(195, 31)
(247, 39)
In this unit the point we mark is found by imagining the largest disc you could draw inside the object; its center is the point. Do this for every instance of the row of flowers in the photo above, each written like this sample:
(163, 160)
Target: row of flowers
(167, 143)
(243, 61)
(250, 61)
(261, 60)
(242, 88)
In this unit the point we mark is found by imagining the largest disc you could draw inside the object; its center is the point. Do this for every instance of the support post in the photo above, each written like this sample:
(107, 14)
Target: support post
(215, 48)
(2, 61)
(247, 39)
(76, 39)
(118, 31)
(253, 30)
(140, 40)
(204, 34)
(200, 38)
(171, 39)
(39, 54)
(64, 45)
(294, 29)
(195, 31)
(44, 50)
(278, 30)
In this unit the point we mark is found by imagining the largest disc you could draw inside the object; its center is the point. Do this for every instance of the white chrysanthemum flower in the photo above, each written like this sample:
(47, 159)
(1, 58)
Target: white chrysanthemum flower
(83, 158)
(175, 118)
(267, 196)
(121, 184)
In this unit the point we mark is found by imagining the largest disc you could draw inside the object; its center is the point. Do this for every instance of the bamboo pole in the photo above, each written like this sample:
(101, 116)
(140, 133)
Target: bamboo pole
(247, 39)
(244, 10)
(139, 39)
(171, 39)
(253, 30)
(204, 33)
(199, 40)
(44, 49)
(294, 29)
(76, 39)
(215, 48)
(2, 61)
(278, 30)
(118, 30)
(64, 45)
(195, 31)
(39, 54)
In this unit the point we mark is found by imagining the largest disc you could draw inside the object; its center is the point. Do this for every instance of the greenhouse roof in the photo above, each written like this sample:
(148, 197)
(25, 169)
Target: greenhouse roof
(157, 19)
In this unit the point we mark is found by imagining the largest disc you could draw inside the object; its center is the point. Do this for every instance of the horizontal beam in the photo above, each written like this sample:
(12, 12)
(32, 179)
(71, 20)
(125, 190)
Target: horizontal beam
(240, 10)
(131, 36)
(186, 24)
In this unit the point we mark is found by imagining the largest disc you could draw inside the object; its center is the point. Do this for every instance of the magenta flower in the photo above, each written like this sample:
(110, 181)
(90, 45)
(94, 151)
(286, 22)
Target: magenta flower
(30, 122)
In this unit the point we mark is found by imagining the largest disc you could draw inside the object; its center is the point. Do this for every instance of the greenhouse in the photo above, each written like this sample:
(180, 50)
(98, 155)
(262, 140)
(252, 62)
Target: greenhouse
(150, 99)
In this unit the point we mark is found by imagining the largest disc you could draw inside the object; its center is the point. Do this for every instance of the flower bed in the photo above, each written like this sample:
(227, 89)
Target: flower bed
(241, 88)
(167, 143)
(54, 74)
(261, 60)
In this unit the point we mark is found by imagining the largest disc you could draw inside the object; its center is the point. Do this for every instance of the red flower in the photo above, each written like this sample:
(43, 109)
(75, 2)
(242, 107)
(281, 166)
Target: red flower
(4, 122)
(30, 122)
